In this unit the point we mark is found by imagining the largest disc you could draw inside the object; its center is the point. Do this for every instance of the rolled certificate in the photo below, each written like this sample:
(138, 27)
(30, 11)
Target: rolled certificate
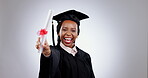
(43, 32)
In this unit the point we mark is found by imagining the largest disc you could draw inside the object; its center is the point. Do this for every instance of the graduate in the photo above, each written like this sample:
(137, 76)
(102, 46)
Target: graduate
(65, 60)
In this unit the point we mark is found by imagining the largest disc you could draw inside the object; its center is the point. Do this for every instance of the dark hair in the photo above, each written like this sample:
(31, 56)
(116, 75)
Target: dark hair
(59, 27)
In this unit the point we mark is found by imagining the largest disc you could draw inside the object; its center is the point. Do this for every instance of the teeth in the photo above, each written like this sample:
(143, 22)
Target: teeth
(68, 38)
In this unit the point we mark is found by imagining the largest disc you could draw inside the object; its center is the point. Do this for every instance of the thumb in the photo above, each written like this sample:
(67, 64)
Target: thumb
(46, 42)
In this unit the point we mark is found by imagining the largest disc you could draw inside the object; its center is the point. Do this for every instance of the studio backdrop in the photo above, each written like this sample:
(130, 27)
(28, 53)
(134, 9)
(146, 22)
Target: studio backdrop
(115, 35)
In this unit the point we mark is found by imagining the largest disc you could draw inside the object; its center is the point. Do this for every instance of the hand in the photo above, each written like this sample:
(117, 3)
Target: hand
(46, 47)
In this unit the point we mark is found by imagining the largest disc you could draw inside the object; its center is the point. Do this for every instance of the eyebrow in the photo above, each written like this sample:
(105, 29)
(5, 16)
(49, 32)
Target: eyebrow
(73, 28)
(67, 27)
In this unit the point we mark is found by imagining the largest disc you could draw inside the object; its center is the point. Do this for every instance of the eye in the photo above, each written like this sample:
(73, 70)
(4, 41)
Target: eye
(64, 29)
(73, 30)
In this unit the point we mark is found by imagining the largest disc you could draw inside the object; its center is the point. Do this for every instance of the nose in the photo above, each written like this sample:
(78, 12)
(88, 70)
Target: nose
(68, 33)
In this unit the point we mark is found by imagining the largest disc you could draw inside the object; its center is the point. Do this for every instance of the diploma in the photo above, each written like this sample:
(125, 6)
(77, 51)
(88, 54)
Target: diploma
(42, 33)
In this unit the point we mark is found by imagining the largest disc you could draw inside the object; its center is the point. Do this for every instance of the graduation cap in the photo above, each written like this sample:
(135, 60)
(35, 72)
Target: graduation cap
(72, 15)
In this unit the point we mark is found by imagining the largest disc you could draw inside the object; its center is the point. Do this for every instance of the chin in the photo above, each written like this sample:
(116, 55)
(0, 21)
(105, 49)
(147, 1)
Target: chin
(68, 45)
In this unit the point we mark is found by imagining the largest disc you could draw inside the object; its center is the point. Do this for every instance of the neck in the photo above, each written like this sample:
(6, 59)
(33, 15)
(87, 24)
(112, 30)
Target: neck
(67, 46)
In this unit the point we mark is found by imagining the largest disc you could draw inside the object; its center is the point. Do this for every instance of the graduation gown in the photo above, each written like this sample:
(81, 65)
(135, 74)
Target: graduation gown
(61, 64)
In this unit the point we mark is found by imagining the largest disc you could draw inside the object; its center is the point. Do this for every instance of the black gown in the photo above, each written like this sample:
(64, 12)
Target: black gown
(61, 64)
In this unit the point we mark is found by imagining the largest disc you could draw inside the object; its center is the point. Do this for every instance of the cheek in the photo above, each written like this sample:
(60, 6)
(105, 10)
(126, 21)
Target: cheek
(61, 35)
(75, 35)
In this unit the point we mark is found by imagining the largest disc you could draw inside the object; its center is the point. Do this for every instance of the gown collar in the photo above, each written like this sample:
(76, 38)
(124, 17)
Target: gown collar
(72, 51)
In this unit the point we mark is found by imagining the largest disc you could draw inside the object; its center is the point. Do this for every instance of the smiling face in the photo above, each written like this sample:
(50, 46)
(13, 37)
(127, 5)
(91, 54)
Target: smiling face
(68, 33)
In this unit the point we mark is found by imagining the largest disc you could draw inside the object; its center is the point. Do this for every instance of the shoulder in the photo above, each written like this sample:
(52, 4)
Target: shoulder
(83, 53)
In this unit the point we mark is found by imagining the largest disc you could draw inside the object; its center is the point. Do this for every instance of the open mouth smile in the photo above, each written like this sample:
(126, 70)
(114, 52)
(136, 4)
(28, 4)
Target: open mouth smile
(67, 40)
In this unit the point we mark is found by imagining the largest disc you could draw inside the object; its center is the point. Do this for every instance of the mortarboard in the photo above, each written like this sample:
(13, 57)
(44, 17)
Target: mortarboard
(73, 15)
(70, 15)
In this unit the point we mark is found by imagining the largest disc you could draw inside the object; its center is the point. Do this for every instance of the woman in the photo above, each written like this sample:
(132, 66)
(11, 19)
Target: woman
(65, 60)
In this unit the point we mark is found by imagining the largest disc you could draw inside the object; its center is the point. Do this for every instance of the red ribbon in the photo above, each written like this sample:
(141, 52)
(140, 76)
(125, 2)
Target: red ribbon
(43, 32)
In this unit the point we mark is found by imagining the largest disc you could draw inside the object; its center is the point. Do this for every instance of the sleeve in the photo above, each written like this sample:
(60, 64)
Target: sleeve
(90, 64)
(45, 66)
(49, 65)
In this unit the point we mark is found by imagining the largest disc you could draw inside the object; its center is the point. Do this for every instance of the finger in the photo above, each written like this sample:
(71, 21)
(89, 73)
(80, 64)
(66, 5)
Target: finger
(39, 39)
(46, 47)
(38, 43)
(37, 47)
(46, 43)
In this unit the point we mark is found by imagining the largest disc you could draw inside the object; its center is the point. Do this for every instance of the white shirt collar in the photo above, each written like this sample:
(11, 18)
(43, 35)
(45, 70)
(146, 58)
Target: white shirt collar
(72, 51)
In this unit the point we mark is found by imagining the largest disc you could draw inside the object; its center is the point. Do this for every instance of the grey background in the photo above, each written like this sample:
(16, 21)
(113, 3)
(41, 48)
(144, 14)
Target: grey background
(115, 35)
